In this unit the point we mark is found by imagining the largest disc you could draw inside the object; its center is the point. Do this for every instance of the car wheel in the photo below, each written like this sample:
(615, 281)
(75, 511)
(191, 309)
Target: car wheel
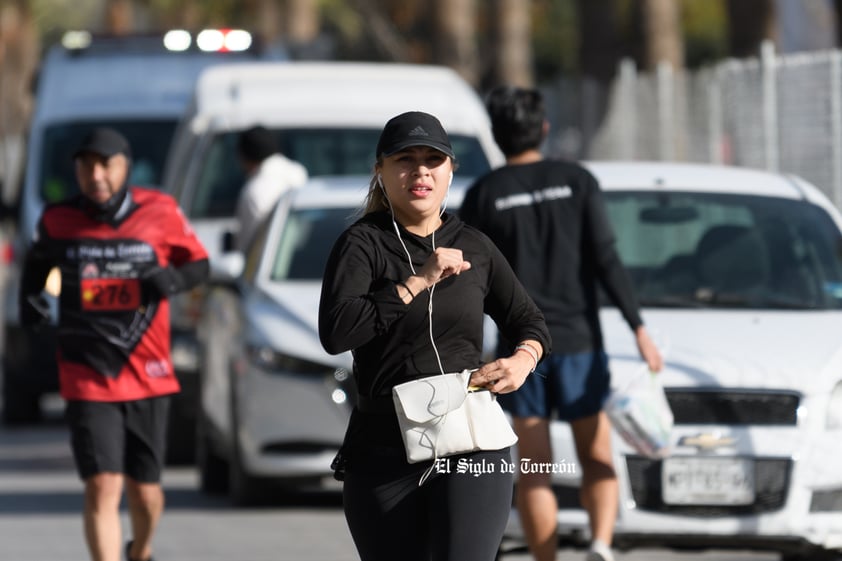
(181, 431)
(243, 488)
(213, 470)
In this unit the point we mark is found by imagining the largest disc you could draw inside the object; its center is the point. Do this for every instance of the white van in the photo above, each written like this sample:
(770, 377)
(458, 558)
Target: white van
(135, 84)
(327, 115)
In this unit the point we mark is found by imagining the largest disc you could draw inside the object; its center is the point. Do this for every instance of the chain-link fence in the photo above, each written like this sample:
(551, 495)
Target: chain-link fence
(773, 112)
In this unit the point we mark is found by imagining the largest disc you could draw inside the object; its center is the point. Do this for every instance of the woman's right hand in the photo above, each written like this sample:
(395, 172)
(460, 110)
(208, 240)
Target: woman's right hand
(444, 262)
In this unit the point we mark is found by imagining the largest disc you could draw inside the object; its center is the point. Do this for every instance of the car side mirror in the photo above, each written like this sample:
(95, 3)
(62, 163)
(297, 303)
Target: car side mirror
(228, 267)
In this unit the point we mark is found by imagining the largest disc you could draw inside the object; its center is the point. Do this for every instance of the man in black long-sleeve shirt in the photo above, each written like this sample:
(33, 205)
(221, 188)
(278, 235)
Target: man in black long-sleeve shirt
(549, 220)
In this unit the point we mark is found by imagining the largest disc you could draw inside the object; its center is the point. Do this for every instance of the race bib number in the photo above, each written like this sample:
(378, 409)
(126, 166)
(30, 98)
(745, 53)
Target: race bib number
(110, 294)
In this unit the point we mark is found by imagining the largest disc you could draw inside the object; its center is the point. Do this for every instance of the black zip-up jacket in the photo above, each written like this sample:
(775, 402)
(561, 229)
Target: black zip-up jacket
(549, 220)
(360, 311)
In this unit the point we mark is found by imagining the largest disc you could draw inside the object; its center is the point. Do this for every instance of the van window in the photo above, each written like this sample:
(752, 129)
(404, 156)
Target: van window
(322, 151)
(149, 140)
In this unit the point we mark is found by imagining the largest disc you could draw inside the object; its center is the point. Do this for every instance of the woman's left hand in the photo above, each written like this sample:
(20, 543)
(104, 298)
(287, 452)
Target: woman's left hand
(503, 375)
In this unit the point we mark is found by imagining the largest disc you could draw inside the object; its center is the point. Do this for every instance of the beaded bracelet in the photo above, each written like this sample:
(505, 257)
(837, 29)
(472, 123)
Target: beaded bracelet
(531, 351)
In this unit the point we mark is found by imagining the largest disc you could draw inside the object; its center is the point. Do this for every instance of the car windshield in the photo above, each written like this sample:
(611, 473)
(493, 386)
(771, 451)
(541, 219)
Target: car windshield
(149, 139)
(732, 251)
(306, 240)
(338, 151)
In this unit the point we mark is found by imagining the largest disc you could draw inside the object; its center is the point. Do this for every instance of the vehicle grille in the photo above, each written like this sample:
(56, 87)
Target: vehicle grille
(732, 407)
(771, 477)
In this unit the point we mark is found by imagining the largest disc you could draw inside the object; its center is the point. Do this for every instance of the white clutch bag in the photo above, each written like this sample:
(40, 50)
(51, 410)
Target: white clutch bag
(439, 416)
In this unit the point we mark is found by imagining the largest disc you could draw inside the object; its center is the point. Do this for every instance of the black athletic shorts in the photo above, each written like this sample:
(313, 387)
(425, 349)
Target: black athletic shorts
(121, 436)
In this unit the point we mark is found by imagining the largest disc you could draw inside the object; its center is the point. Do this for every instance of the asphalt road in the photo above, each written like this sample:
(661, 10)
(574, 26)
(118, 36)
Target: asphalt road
(40, 505)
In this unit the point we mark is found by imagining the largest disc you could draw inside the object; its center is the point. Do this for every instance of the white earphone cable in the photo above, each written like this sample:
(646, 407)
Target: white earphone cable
(412, 268)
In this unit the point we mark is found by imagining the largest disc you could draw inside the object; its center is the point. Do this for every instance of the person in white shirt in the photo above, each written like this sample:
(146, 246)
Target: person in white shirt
(270, 175)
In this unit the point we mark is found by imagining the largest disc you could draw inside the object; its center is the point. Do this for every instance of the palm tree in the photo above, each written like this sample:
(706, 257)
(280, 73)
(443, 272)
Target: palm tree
(599, 44)
(118, 16)
(302, 17)
(18, 60)
(511, 24)
(455, 44)
(662, 33)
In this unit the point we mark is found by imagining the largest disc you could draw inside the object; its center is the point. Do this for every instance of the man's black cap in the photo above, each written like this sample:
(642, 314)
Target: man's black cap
(105, 142)
(413, 129)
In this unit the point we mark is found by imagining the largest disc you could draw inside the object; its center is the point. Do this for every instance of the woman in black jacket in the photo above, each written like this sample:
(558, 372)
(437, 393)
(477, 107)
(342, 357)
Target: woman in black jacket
(405, 289)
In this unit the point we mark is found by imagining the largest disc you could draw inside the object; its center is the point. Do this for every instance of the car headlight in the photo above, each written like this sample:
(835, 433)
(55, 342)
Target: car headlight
(834, 408)
(267, 358)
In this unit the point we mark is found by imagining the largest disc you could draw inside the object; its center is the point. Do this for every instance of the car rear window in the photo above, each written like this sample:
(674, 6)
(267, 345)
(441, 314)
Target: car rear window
(722, 250)
(323, 151)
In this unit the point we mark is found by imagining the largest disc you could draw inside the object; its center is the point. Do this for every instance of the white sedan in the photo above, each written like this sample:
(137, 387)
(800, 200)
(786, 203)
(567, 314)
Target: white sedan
(273, 403)
(739, 274)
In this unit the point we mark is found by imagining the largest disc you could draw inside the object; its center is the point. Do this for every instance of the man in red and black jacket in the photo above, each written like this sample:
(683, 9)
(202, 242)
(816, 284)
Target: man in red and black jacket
(121, 252)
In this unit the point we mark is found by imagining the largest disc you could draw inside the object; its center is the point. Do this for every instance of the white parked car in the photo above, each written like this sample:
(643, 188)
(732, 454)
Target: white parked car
(273, 403)
(739, 274)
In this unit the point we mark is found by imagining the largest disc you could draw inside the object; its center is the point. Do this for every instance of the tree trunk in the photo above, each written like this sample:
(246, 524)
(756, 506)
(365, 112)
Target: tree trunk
(188, 15)
(750, 22)
(837, 11)
(302, 18)
(18, 61)
(512, 31)
(119, 17)
(599, 45)
(455, 41)
(662, 34)
(266, 20)
(599, 56)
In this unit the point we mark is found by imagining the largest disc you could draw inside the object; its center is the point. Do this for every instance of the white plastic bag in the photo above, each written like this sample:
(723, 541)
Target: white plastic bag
(641, 415)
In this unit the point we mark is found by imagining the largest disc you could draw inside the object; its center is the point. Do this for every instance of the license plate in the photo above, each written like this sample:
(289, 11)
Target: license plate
(707, 481)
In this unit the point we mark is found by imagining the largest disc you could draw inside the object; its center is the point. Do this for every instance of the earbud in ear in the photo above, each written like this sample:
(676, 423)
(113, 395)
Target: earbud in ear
(451, 179)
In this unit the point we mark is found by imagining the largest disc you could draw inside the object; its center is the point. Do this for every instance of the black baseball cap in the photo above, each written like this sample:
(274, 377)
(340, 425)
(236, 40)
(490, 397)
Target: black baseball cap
(104, 141)
(413, 128)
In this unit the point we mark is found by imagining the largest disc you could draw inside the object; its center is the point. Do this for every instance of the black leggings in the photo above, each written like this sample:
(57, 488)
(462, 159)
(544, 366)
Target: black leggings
(451, 517)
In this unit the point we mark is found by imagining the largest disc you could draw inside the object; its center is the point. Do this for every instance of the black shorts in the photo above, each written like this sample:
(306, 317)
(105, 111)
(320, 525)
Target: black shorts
(122, 437)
